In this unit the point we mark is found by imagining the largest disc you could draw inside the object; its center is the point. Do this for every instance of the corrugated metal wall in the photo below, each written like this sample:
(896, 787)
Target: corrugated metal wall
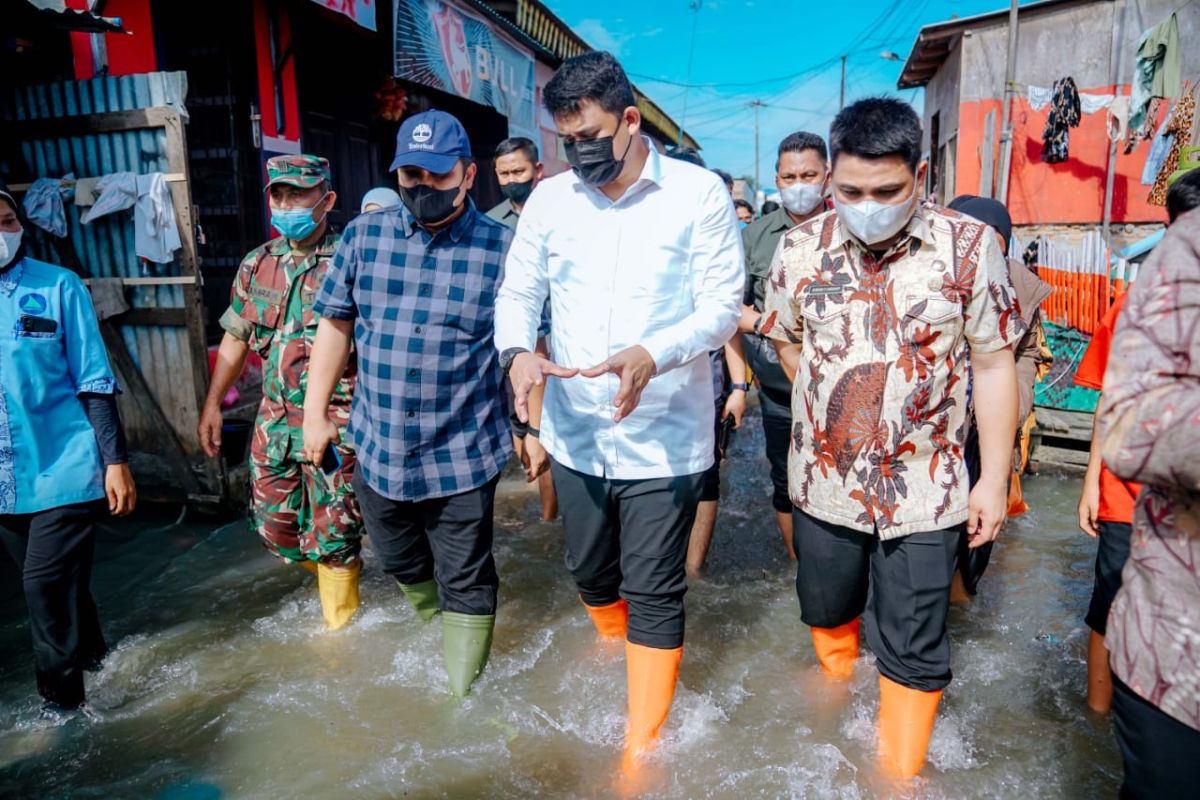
(105, 247)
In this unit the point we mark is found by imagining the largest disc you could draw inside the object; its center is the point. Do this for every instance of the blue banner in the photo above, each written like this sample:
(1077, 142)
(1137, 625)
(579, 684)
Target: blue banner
(440, 45)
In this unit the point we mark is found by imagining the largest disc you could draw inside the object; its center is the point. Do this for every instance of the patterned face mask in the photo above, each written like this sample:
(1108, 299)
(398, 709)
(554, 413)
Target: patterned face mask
(873, 222)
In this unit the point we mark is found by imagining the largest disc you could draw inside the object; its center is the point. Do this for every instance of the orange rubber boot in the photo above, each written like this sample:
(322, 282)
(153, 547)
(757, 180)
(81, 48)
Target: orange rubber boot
(651, 674)
(905, 724)
(610, 620)
(837, 648)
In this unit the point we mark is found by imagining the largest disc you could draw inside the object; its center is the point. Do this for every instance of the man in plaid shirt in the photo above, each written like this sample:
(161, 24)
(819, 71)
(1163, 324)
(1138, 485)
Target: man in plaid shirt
(415, 289)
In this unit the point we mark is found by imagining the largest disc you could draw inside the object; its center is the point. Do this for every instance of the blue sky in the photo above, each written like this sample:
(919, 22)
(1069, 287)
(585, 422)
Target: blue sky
(758, 42)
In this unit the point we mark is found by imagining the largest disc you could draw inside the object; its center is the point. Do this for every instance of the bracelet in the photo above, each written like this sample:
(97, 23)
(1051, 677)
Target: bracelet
(534, 432)
(758, 325)
(745, 387)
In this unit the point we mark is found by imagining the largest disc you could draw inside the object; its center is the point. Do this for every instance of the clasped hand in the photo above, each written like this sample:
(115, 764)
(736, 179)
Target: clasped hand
(633, 365)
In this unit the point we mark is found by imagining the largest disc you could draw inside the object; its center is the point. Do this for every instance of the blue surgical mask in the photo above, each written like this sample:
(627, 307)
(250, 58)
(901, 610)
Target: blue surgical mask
(296, 224)
(10, 243)
(742, 224)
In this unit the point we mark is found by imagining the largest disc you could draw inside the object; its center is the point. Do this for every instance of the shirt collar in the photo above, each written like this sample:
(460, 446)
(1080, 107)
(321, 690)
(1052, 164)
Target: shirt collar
(11, 277)
(780, 220)
(651, 175)
(917, 228)
(457, 230)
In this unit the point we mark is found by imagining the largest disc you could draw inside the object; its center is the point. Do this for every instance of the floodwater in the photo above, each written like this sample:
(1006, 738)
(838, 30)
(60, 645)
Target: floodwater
(222, 684)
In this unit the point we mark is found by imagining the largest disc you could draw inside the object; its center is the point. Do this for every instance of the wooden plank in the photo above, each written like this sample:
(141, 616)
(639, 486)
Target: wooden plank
(152, 316)
(986, 175)
(193, 301)
(135, 384)
(1048, 457)
(170, 177)
(167, 280)
(83, 124)
(1075, 425)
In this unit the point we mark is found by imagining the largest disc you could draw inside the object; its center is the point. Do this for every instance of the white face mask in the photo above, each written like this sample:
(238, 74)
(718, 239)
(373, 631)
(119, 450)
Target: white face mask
(873, 222)
(801, 198)
(10, 243)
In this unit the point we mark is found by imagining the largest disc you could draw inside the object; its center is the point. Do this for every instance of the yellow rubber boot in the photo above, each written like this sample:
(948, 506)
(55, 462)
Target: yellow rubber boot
(611, 620)
(905, 724)
(339, 594)
(837, 649)
(651, 674)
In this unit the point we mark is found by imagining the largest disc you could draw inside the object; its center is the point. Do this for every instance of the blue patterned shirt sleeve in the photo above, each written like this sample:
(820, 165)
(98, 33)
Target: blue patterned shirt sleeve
(86, 355)
(336, 298)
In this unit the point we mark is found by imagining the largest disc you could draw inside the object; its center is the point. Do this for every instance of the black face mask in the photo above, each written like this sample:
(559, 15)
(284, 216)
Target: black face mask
(593, 160)
(427, 204)
(517, 192)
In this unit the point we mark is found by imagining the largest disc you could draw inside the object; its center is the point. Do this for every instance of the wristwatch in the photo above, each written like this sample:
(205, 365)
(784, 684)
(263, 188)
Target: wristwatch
(506, 357)
(745, 387)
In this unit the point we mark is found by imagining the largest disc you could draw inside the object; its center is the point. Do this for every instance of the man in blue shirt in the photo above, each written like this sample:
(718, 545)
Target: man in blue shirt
(415, 288)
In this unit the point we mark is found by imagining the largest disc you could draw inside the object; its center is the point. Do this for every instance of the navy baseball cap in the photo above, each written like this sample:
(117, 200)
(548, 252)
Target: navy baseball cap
(432, 140)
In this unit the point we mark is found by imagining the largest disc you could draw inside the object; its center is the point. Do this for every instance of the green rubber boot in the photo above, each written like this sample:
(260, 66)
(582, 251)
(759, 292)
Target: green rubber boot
(466, 642)
(424, 598)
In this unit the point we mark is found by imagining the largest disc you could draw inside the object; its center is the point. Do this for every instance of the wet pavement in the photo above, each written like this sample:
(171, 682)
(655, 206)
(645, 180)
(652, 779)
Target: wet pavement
(223, 685)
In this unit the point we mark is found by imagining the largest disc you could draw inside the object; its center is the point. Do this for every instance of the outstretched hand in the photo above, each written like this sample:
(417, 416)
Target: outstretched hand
(635, 366)
(528, 370)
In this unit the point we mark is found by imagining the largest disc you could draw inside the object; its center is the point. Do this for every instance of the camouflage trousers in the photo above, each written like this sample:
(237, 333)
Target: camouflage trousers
(298, 511)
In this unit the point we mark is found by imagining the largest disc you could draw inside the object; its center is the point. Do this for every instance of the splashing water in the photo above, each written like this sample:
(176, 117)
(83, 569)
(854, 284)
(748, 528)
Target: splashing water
(222, 683)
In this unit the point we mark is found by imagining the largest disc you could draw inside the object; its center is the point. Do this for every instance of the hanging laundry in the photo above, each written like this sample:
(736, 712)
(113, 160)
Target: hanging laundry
(1091, 103)
(113, 193)
(1159, 149)
(1156, 71)
(1064, 115)
(1118, 118)
(1180, 129)
(44, 204)
(1146, 129)
(1039, 96)
(156, 234)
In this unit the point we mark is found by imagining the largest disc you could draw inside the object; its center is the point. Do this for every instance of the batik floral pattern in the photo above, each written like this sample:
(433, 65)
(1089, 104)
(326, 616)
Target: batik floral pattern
(879, 400)
(1150, 433)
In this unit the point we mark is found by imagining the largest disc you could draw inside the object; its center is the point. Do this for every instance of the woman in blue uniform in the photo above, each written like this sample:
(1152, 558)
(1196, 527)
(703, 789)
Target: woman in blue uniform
(63, 460)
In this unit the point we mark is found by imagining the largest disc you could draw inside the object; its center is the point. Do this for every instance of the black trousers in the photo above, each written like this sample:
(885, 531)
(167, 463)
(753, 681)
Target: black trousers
(54, 551)
(628, 538)
(447, 539)
(1112, 552)
(777, 428)
(900, 587)
(1160, 752)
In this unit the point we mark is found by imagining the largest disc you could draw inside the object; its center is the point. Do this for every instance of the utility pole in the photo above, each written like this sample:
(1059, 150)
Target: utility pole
(756, 105)
(694, 5)
(1006, 127)
(842, 94)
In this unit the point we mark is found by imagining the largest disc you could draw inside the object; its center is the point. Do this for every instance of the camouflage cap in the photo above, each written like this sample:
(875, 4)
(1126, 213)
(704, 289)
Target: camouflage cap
(301, 170)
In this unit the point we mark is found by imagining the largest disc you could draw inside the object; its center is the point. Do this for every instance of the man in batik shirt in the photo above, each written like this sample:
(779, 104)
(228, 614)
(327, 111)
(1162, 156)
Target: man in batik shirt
(877, 307)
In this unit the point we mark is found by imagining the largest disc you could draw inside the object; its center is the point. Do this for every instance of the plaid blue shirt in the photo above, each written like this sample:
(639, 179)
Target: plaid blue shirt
(429, 418)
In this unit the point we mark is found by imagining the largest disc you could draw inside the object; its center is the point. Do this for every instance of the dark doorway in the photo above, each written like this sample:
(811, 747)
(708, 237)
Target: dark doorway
(216, 50)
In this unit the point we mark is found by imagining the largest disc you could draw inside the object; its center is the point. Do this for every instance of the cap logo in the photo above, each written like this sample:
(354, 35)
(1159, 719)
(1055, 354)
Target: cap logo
(422, 133)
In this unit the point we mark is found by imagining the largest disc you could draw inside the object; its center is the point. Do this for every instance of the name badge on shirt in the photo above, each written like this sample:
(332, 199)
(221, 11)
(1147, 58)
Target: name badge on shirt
(29, 325)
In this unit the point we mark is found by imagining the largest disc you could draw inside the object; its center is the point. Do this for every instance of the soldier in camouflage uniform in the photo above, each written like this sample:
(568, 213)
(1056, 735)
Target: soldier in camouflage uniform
(304, 515)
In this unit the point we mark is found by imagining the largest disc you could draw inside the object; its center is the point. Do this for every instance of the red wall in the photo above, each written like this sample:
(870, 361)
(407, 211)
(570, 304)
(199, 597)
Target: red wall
(1069, 192)
(266, 75)
(128, 53)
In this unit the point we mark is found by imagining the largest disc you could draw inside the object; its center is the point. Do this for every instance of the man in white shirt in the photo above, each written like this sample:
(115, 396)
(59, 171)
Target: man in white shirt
(641, 260)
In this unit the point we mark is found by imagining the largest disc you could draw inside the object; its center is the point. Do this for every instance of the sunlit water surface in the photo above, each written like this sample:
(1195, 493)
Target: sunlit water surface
(223, 685)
